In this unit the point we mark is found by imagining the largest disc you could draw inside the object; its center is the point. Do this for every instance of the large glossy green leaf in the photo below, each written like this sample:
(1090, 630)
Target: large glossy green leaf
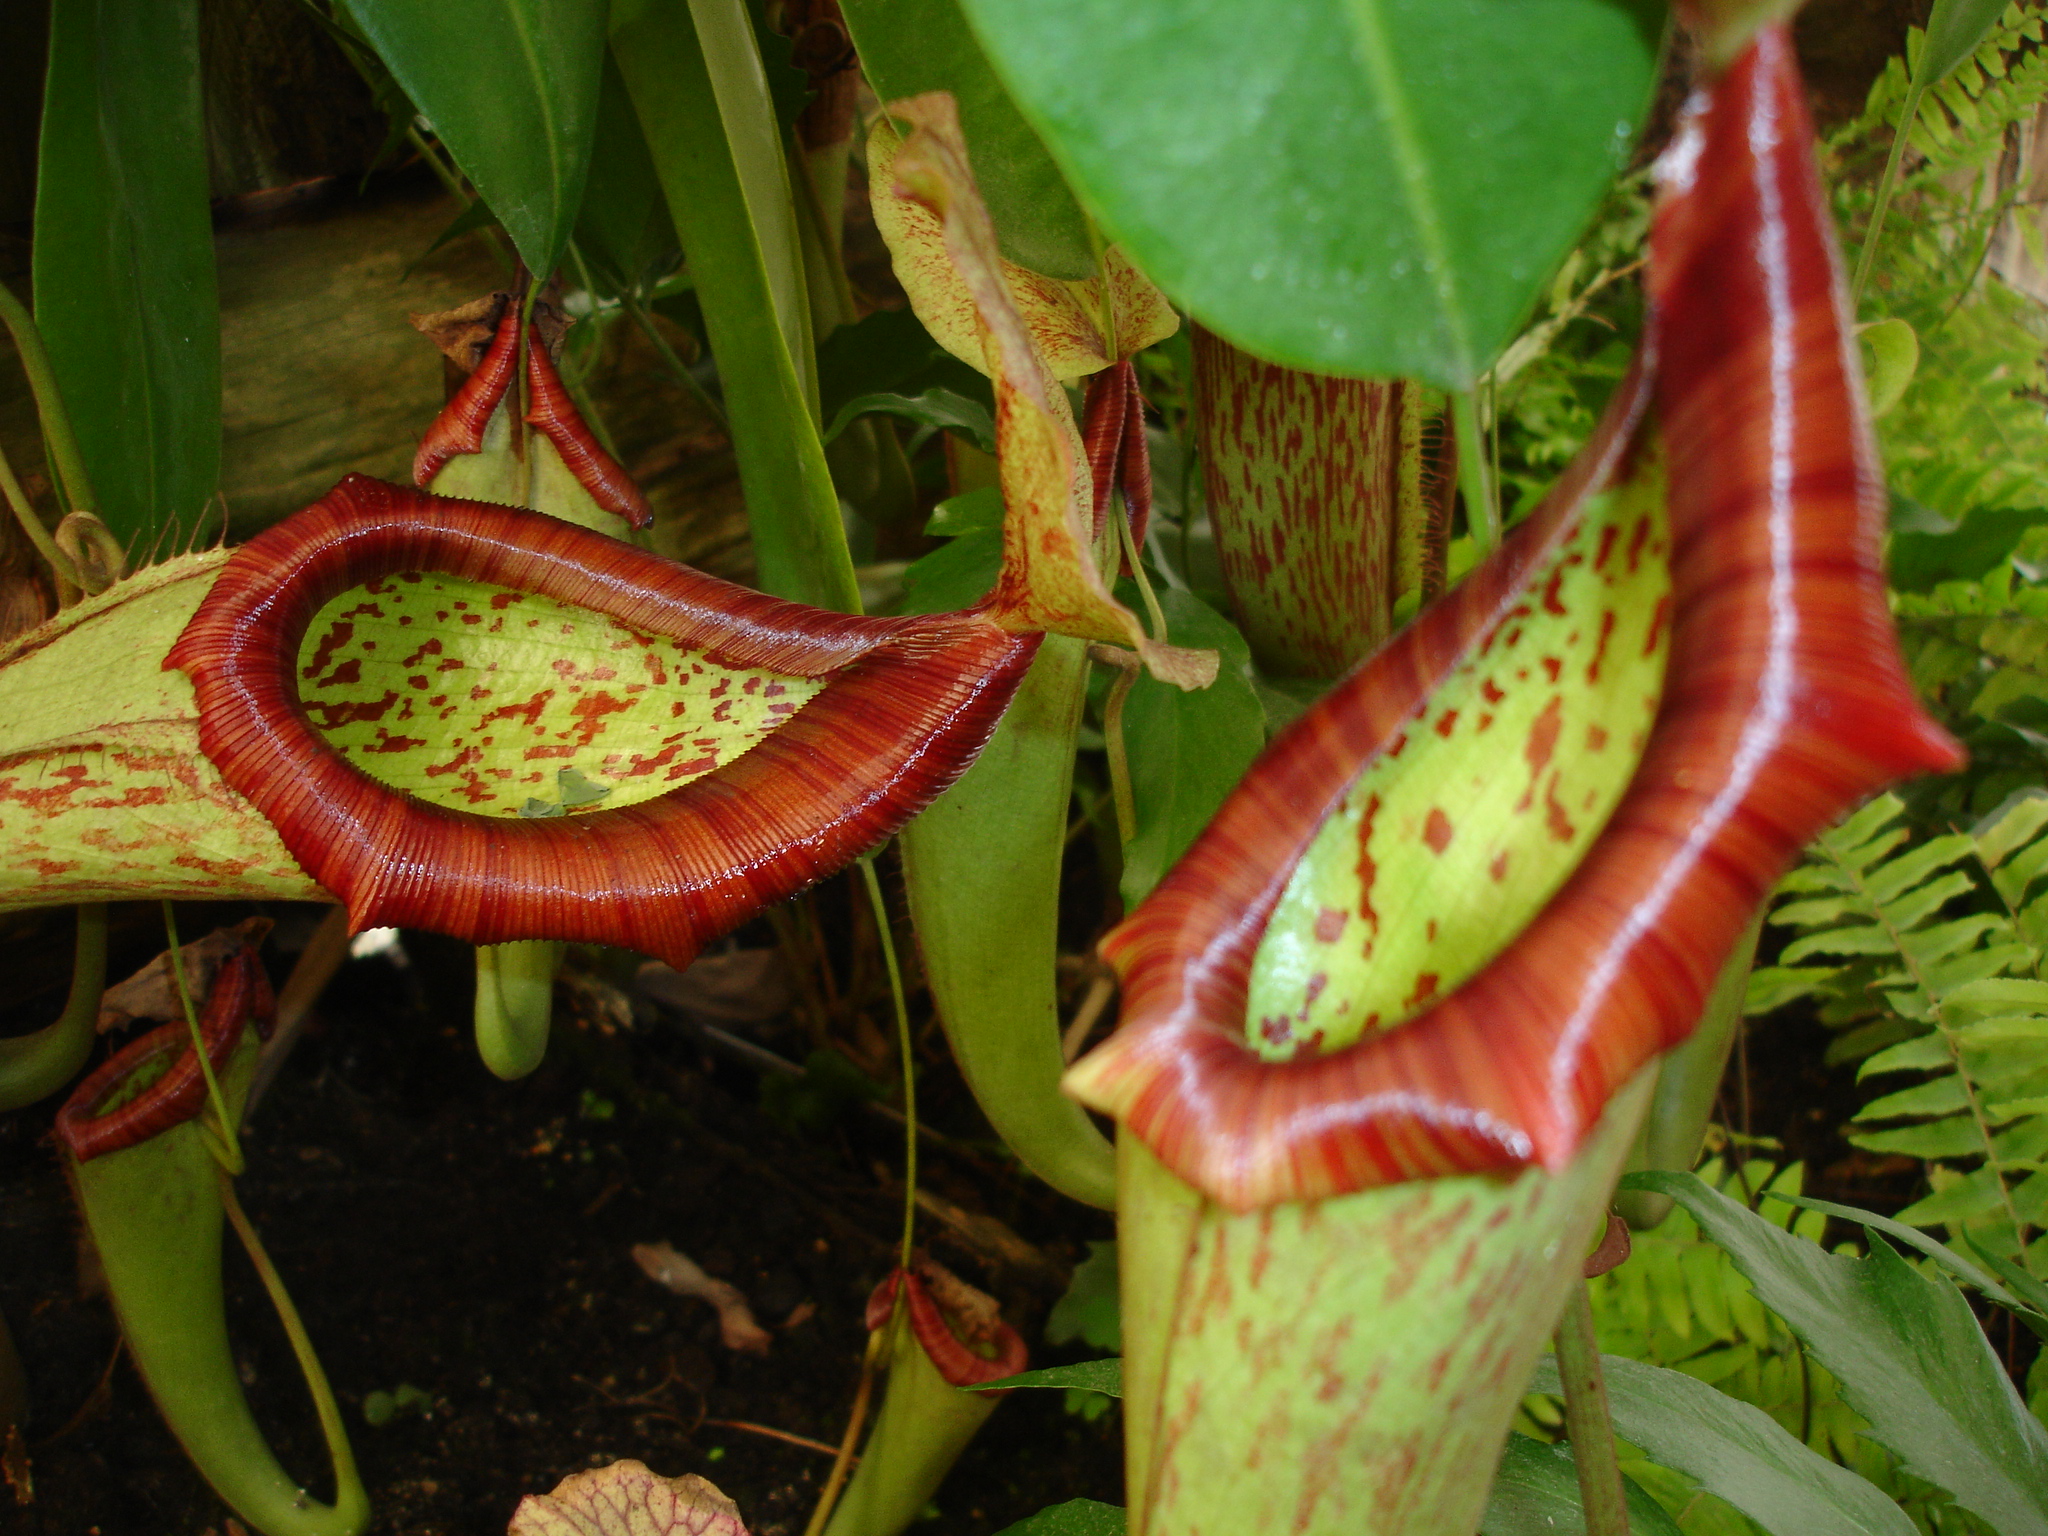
(1737, 1452)
(511, 87)
(1186, 749)
(123, 259)
(910, 46)
(1366, 186)
(1906, 1351)
(1536, 1493)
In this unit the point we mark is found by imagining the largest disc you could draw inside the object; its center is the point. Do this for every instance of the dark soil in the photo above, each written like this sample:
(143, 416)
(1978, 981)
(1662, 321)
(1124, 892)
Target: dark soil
(469, 1238)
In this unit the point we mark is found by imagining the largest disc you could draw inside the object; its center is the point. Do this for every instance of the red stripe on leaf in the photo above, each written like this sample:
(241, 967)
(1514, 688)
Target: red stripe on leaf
(1785, 703)
(909, 704)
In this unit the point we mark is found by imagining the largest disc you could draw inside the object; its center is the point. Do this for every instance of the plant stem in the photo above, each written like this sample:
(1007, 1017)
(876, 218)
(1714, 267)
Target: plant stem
(67, 574)
(74, 488)
(888, 939)
(1126, 665)
(1586, 1419)
(224, 1143)
(34, 1066)
(1907, 115)
(1482, 511)
(342, 1458)
(1121, 515)
(880, 1343)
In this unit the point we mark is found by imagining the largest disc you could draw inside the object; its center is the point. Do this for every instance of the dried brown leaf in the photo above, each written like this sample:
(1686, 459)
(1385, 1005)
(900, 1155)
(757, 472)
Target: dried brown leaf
(626, 1499)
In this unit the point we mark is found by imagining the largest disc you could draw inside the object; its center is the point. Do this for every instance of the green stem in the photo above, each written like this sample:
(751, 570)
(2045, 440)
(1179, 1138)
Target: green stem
(221, 1133)
(888, 938)
(74, 486)
(1482, 509)
(154, 1212)
(1119, 759)
(17, 499)
(1587, 1423)
(1885, 185)
(34, 1066)
(982, 867)
(339, 1452)
(1153, 612)
(706, 164)
(756, 143)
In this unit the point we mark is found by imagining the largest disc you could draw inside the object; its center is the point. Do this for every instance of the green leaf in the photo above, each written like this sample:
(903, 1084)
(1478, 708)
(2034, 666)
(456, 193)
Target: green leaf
(1354, 186)
(1894, 354)
(1186, 750)
(1076, 1517)
(123, 260)
(910, 46)
(623, 226)
(711, 170)
(1738, 1453)
(511, 87)
(956, 575)
(1104, 1376)
(1090, 1311)
(890, 352)
(1905, 1350)
(1941, 1253)
(934, 410)
(977, 511)
(1536, 1493)
(1954, 29)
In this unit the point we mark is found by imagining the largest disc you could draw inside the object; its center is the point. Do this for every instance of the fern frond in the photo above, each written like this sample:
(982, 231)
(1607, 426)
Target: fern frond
(1943, 980)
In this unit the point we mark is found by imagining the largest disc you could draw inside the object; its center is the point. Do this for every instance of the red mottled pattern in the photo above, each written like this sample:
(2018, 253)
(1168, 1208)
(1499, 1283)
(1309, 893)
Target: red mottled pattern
(460, 427)
(909, 704)
(1303, 475)
(1785, 703)
(947, 1351)
(88, 1129)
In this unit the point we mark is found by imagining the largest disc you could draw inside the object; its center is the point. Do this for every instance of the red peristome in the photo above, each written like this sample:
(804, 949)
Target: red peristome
(241, 994)
(1113, 437)
(960, 1365)
(1785, 703)
(459, 429)
(910, 703)
(551, 413)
